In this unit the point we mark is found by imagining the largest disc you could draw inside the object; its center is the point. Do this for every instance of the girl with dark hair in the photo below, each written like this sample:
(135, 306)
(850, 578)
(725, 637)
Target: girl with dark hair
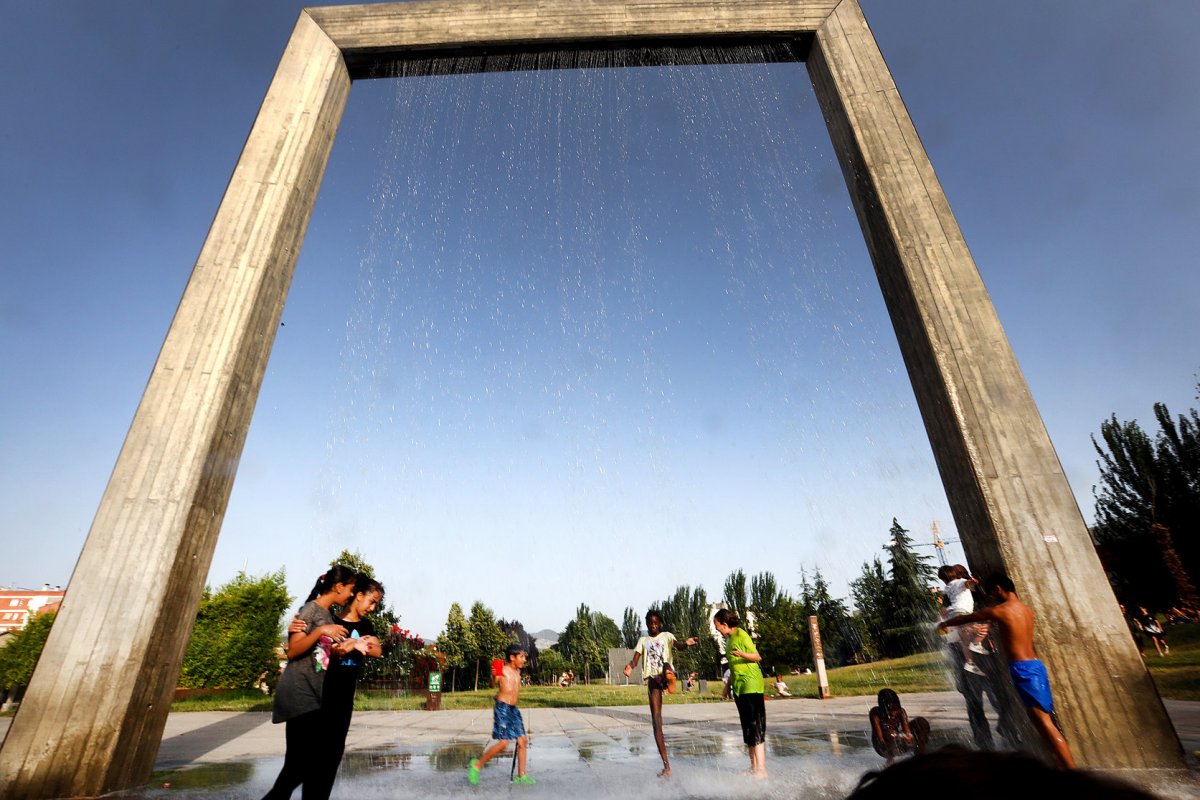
(657, 671)
(746, 684)
(892, 733)
(342, 680)
(299, 693)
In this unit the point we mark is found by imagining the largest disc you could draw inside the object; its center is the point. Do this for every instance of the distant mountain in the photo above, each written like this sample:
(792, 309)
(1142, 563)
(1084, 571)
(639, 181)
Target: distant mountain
(547, 635)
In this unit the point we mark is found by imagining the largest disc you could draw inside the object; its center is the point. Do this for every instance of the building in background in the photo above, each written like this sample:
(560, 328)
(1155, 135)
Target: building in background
(17, 606)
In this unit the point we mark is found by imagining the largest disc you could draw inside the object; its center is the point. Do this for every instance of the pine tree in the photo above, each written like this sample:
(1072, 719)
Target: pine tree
(631, 629)
(910, 607)
(870, 592)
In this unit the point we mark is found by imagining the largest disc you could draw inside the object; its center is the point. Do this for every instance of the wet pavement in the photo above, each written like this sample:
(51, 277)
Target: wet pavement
(815, 749)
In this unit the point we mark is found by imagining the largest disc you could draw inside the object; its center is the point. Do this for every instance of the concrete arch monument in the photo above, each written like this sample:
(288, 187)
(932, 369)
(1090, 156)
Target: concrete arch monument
(96, 708)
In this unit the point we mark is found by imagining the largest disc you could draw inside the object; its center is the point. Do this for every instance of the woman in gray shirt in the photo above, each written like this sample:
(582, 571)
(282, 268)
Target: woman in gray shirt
(298, 695)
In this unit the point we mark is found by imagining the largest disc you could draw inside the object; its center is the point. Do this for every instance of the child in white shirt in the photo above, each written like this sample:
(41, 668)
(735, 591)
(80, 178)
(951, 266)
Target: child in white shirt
(957, 600)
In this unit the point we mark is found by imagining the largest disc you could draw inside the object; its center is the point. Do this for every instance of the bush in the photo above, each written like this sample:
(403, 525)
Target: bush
(20, 655)
(236, 634)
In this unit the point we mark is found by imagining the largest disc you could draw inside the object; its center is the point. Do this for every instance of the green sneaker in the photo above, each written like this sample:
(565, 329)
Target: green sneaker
(473, 773)
(523, 779)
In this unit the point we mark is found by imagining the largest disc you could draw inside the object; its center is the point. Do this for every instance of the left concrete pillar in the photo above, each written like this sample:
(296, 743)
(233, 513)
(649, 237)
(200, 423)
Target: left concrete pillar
(94, 713)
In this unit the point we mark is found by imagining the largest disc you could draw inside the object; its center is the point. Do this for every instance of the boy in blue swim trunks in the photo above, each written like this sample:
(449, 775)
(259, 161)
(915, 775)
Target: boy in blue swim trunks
(507, 724)
(1028, 673)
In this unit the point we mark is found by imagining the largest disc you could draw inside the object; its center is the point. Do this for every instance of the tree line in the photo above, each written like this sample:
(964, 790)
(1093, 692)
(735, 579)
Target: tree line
(237, 636)
(1147, 519)
(893, 615)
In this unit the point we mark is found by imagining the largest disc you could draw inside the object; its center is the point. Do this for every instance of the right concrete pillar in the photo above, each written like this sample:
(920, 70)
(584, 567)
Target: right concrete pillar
(1010, 498)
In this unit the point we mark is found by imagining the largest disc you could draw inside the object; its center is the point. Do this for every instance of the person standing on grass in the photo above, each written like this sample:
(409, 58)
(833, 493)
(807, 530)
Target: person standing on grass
(1151, 627)
(507, 724)
(747, 686)
(298, 697)
(658, 652)
(1028, 674)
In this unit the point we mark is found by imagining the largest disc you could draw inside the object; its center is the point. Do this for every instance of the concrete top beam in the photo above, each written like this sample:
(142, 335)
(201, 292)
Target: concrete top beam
(369, 35)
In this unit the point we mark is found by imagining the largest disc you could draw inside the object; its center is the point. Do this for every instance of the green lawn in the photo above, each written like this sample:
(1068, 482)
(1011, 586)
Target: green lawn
(1177, 676)
(925, 672)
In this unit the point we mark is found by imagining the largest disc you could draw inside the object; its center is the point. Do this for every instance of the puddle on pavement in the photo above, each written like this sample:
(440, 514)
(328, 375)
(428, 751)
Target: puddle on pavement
(363, 762)
(203, 776)
(696, 745)
(813, 763)
(454, 757)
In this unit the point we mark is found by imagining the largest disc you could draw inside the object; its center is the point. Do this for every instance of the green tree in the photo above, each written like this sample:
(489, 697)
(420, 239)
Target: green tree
(910, 607)
(685, 614)
(456, 642)
(550, 666)
(236, 632)
(20, 655)
(605, 629)
(783, 635)
(487, 637)
(631, 629)
(581, 644)
(870, 592)
(705, 656)
(833, 619)
(1148, 507)
(735, 594)
(674, 611)
(764, 593)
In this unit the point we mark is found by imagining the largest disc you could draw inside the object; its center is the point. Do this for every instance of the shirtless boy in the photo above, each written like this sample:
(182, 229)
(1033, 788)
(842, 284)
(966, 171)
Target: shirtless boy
(507, 724)
(1028, 673)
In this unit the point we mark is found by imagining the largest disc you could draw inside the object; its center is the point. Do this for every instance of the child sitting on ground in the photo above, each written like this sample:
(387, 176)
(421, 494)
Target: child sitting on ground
(507, 724)
(781, 688)
(892, 732)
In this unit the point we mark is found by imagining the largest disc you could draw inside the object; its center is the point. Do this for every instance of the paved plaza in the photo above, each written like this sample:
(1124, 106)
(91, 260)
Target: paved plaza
(815, 749)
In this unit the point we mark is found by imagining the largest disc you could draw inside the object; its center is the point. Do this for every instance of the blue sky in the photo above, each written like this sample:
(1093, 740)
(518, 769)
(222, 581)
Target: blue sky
(584, 336)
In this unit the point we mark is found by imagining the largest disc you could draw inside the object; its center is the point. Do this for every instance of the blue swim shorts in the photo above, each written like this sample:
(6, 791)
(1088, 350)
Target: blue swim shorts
(1033, 684)
(506, 722)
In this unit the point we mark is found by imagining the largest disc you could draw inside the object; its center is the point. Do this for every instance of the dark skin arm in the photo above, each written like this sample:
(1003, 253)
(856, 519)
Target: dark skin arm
(1016, 626)
(682, 644)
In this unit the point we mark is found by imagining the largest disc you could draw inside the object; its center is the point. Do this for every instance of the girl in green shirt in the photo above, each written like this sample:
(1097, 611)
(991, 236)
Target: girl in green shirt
(746, 683)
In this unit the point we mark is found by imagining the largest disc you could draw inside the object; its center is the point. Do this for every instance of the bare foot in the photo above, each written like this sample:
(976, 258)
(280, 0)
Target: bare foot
(758, 774)
(666, 771)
